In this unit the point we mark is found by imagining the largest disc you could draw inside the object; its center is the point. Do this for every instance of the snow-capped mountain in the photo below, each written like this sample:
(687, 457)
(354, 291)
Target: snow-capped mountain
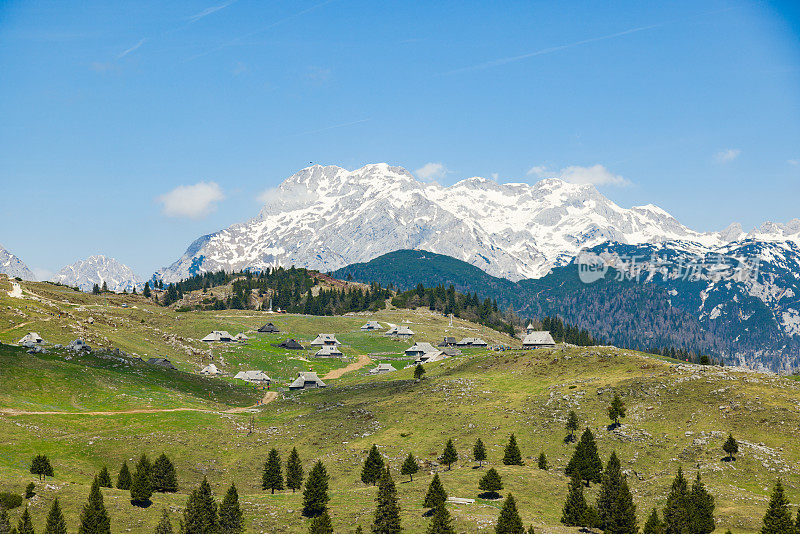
(327, 217)
(96, 270)
(13, 266)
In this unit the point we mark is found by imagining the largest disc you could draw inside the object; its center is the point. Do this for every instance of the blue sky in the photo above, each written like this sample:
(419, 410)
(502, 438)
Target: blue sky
(107, 107)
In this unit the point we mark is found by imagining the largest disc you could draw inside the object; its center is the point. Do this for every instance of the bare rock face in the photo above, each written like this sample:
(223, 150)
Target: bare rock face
(325, 218)
(13, 266)
(96, 270)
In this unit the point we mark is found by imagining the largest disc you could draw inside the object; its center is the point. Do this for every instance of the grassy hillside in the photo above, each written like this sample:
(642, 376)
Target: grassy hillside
(678, 415)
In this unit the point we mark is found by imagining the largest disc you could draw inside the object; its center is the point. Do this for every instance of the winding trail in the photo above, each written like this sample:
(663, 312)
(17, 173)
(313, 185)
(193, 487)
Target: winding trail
(269, 396)
(363, 360)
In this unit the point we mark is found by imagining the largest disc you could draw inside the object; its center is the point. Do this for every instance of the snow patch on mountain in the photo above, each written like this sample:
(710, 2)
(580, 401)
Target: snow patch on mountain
(12, 266)
(96, 270)
(325, 218)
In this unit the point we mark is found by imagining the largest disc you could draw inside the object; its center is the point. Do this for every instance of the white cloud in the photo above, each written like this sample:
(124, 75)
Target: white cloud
(132, 49)
(727, 155)
(193, 201)
(209, 10)
(431, 171)
(538, 170)
(794, 162)
(595, 175)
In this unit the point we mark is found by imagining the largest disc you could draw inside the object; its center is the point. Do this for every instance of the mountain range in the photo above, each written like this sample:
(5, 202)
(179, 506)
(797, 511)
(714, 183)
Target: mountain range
(98, 269)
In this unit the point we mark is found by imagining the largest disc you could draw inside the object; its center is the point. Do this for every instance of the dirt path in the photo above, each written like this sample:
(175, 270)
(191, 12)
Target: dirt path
(269, 396)
(363, 360)
(16, 291)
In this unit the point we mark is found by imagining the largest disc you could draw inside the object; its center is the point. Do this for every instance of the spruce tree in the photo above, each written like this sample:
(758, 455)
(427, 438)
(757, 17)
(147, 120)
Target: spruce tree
(511, 455)
(542, 462)
(5, 522)
(778, 520)
(315, 494)
(677, 511)
(654, 525)
(25, 525)
(141, 487)
(490, 484)
(623, 518)
(387, 513)
(94, 518)
(616, 411)
(294, 471)
(162, 475)
(731, 447)
(231, 520)
(609, 491)
(574, 511)
(702, 508)
(124, 477)
(29, 490)
(797, 523)
(55, 520)
(449, 455)
(321, 524)
(373, 467)
(104, 478)
(146, 290)
(410, 467)
(419, 372)
(40, 465)
(200, 514)
(479, 452)
(509, 521)
(436, 494)
(585, 461)
(164, 525)
(441, 523)
(572, 426)
(272, 479)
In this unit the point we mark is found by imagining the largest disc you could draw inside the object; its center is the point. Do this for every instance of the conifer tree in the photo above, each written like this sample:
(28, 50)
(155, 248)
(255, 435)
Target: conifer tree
(410, 467)
(95, 289)
(542, 462)
(436, 495)
(731, 447)
(778, 520)
(373, 467)
(616, 411)
(623, 518)
(677, 516)
(29, 493)
(479, 452)
(585, 461)
(574, 511)
(25, 525)
(609, 491)
(124, 477)
(146, 290)
(200, 514)
(654, 525)
(797, 523)
(141, 487)
(531, 530)
(164, 525)
(294, 471)
(315, 494)
(509, 521)
(231, 520)
(419, 372)
(491, 483)
(104, 289)
(5, 522)
(702, 508)
(449, 455)
(162, 475)
(55, 520)
(40, 465)
(321, 524)
(387, 513)
(272, 479)
(572, 426)
(359, 530)
(94, 518)
(104, 478)
(511, 455)
(441, 523)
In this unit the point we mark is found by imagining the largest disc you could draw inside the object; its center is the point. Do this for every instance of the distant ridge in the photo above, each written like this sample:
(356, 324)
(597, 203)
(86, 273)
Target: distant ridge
(98, 269)
(12, 266)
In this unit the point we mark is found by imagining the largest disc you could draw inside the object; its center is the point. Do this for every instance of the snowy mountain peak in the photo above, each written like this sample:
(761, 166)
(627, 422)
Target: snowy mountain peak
(326, 217)
(13, 266)
(97, 269)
